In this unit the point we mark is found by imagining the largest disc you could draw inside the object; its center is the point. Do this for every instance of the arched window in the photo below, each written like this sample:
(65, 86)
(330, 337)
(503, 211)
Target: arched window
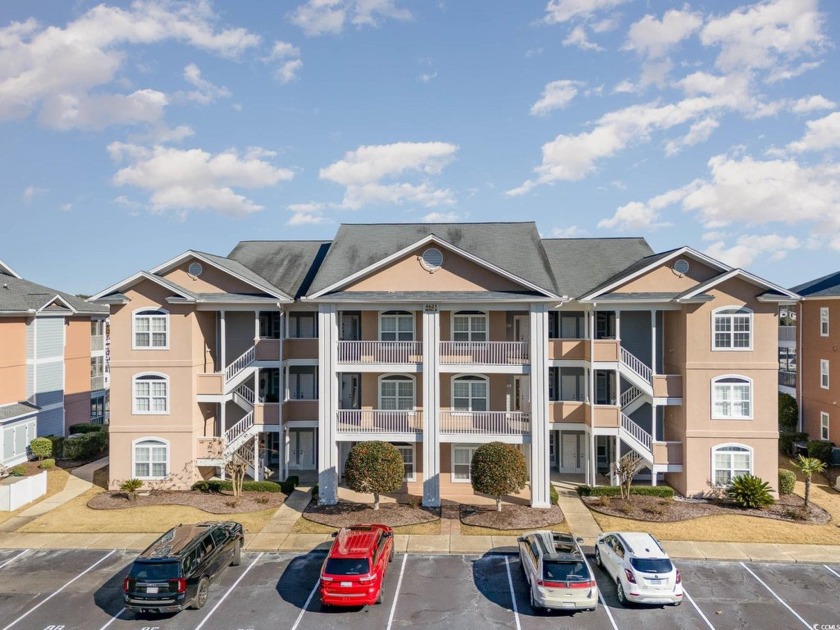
(730, 461)
(151, 394)
(396, 326)
(731, 397)
(732, 328)
(396, 392)
(470, 392)
(469, 326)
(151, 458)
(151, 330)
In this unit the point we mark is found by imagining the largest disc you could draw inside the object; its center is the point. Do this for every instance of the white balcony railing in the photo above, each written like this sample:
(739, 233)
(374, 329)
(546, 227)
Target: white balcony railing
(379, 421)
(380, 352)
(485, 422)
(485, 352)
(787, 333)
(97, 383)
(97, 343)
(787, 379)
(240, 363)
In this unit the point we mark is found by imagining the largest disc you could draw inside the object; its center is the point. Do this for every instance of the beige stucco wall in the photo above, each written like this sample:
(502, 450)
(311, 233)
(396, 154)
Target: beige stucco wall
(183, 447)
(665, 279)
(12, 360)
(813, 347)
(211, 280)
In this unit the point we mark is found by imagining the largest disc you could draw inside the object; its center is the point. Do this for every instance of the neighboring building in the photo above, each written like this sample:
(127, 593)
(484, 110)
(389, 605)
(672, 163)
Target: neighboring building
(438, 338)
(52, 359)
(787, 349)
(817, 350)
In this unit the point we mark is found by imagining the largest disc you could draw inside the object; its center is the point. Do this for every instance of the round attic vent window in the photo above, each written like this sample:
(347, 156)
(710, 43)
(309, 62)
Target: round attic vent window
(681, 266)
(431, 259)
(195, 269)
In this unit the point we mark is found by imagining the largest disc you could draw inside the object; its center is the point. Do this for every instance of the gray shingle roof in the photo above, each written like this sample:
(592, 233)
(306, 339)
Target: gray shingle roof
(236, 267)
(827, 286)
(513, 247)
(432, 296)
(582, 264)
(18, 294)
(288, 265)
(15, 410)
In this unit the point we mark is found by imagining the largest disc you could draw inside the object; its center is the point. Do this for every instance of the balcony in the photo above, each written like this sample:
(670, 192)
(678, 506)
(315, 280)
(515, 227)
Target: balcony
(568, 411)
(379, 421)
(485, 422)
(209, 448)
(606, 350)
(268, 350)
(667, 386)
(97, 383)
(380, 352)
(569, 349)
(300, 348)
(787, 333)
(267, 413)
(97, 343)
(668, 453)
(300, 410)
(606, 416)
(787, 379)
(210, 384)
(485, 352)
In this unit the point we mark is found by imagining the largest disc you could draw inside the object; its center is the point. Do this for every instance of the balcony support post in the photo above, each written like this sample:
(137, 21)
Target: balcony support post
(653, 361)
(222, 341)
(431, 406)
(328, 402)
(540, 464)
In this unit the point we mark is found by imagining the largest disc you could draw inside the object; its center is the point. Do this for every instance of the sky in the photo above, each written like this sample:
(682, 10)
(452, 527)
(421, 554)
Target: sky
(133, 131)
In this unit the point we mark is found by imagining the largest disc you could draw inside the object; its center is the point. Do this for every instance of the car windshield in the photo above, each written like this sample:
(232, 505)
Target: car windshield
(347, 566)
(153, 571)
(652, 565)
(564, 571)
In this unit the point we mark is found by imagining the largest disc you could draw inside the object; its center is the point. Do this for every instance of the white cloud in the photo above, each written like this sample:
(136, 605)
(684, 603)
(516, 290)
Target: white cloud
(56, 69)
(66, 207)
(636, 215)
(823, 133)
(205, 92)
(30, 192)
(749, 247)
(654, 38)
(328, 17)
(440, 217)
(306, 214)
(425, 77)
(362, 171)
(810, 104)
(559, 11)
(697, 133)
(556, 95)
(290, 61)
(571, 231)
(182, 180)
(578, 37)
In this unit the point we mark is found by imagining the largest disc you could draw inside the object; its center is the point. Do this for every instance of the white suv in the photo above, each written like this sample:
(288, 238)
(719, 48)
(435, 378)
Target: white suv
(640, 568)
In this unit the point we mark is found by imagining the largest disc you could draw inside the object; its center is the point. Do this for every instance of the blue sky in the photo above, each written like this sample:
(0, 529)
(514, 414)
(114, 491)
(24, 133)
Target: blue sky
(134, 131)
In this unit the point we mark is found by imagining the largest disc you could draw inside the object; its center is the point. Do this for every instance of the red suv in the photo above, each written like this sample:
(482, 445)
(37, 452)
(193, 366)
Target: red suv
(354, 570)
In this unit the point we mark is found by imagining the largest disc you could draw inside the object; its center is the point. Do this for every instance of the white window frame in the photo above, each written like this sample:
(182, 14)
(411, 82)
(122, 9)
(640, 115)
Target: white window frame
(409, 448)
(824, 324)
(398, 378)
(144, 376)
(731, 314)
(156, 442)
(474, 378)
(825, 378)
(472, 448)
(472, 316)
(730, 447)
(149, 314)
(824, 420)
(742, 380)
(397, 316)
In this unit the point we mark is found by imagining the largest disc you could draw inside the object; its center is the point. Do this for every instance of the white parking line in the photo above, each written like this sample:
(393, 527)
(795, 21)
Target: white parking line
(697, 608)
(606, 609)
(44, 601)
(397, 594)
(305, 606)
(13, 559)
(233, 586)
(512, 594)
(781, 601)
(825, 565)
(113, 619)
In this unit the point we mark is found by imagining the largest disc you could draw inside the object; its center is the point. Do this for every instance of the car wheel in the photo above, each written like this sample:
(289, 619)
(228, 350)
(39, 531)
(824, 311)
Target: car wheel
(677, 603)
(201, 595)
(598, 558)
(622, 598)
(379, 597)
(391, 557)
(237, 555)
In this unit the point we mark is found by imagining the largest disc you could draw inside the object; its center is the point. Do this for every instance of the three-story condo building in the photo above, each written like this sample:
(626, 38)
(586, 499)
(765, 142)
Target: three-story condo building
(438, 338)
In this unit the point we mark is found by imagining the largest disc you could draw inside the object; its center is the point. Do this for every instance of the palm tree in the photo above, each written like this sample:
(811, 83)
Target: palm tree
(808, 466)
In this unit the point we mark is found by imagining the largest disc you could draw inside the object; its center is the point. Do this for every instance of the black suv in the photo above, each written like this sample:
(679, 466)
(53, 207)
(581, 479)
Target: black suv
(175, 571)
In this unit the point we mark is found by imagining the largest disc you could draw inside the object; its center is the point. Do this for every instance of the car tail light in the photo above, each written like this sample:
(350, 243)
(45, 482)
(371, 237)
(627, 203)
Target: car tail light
(589, 584)
(366, 578)
(324, 578)
(126, 585)
(630, 577)
(180, 585)
(550, 584)
(679, 577)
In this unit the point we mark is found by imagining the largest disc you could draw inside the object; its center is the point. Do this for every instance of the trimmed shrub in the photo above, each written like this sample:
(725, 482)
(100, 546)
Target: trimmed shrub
(86, 427)
(130, 487)
(288, 486)
(749, 491)
(821, 450)
(664, 492)
(555, 496)
(787, 481)
(293, 479)
(57, 445)
(787, 440)
(788, 413)
(498, 469)
(374, 467)
(217, 485)
(85, 446)
(46, 463)
(41, 448)
(19, 470)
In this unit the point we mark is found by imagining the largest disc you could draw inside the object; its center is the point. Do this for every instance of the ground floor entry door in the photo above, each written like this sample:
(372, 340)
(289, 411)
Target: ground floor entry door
(571, 452)
(302, 449)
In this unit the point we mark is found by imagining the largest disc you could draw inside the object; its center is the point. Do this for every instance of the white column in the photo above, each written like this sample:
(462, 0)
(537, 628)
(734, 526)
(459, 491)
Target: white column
(431, 406)
(540, 464)
(256, 327)
(618, 325)
(616, 457)
(284, 433)
(223, 342)
(327, 405)
(258, 469)
(652, 342)
(592, 458)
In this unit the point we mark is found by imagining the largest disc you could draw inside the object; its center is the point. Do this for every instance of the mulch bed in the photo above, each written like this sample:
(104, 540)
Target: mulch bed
(346, 513)
(511, 516)
(214, 503)
(788, 508)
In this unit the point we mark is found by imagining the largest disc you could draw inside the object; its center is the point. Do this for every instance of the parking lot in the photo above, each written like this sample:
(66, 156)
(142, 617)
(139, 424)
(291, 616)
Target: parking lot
(64, 590)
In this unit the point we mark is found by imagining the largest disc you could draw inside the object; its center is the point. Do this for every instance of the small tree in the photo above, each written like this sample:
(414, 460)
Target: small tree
(41, 448)
(788, 413)
(626, 469)
(808, 466)
(130, 487)
(498, 469)
(236, 468)
(749, 491)
(374, 467)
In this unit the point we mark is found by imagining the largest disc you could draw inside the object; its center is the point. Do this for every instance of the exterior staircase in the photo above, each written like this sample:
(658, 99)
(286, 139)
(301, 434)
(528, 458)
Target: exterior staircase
(631, 399)
(239, 434)
(636, 438)
(634, 370)
(240, 370)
